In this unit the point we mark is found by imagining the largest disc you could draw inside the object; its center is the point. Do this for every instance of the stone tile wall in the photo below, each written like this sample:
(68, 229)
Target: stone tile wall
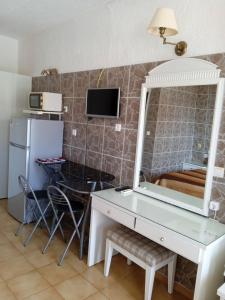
(115, 151)
(97, 144)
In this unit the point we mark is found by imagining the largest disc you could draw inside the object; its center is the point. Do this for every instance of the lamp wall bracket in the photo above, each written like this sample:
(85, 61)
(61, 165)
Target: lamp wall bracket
(180, 47)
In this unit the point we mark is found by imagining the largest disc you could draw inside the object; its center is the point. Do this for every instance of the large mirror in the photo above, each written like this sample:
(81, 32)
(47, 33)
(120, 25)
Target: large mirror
(178, 133)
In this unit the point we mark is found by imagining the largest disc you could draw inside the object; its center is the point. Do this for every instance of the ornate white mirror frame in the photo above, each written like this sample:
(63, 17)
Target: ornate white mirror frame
(175, 73)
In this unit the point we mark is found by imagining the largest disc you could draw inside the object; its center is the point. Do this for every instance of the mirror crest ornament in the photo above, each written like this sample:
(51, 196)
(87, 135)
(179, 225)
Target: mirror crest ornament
(185, 72)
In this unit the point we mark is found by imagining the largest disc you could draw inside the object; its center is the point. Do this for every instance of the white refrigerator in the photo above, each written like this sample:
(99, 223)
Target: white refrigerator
(14, 91)
(30, 139)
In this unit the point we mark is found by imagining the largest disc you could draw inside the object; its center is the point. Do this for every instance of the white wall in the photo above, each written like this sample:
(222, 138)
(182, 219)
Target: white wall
(8, 54)
(115, 34)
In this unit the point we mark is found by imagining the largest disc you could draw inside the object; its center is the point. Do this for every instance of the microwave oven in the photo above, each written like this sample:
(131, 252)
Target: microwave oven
(45, 101)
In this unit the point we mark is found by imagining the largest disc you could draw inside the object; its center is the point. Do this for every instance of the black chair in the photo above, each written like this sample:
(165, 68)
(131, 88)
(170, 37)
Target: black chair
(61, 207)
(37, 204)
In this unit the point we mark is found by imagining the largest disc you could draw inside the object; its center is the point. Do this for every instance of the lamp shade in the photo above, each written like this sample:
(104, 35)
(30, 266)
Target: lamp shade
(164, 17)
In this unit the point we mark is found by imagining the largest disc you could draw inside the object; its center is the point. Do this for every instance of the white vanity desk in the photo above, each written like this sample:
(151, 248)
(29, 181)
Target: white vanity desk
(197, 238)
(173, 218)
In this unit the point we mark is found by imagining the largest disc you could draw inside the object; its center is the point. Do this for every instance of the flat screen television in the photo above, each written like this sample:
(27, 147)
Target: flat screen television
(103, 102)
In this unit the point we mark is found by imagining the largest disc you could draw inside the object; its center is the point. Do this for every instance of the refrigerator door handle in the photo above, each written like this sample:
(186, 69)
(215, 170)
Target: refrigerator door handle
(19, 146)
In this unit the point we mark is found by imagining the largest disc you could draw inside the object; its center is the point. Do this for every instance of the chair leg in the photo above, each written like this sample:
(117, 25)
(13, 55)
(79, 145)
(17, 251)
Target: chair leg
(27, 240)
(67, 248)
(171, 273)
(149, 282)
(43, 215)
(108, 257)
(82, 234)
(20, 227)
(52, 234)
(57, 219)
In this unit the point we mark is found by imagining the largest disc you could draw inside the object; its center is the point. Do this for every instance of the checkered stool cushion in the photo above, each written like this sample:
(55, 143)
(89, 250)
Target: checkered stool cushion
(146, 250)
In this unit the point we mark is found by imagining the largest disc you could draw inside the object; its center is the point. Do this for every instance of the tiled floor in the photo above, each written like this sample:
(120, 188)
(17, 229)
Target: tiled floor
(25, 273)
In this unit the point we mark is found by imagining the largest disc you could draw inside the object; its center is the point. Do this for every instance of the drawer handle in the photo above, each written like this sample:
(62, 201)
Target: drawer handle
(162, 239)
(108, 212)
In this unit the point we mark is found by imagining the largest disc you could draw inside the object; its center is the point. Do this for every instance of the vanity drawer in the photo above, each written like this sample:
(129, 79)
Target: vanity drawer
(171, 240)
(113, 212)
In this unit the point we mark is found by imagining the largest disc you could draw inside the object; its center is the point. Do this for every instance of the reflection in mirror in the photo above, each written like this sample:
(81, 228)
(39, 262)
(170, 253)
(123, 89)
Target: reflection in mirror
(178, 123)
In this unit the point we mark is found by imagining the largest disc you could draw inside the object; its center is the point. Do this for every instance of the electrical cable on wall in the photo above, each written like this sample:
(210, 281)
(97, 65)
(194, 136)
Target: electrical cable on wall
(100, 76)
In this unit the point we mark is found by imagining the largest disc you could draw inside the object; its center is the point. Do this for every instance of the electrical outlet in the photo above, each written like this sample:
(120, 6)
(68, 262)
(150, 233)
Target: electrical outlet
(218, 172)
(65, 109)
(199, 146)
(74, 132)
(118, 127)
(148, 132)
(214, 205)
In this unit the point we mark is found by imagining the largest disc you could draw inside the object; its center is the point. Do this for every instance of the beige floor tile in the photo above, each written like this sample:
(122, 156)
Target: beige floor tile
(132, 287)
(27, 285)
(119, 292)
(160, 293)
(38, 259)
(3, 239)
(8, 251)
(5, 293)
(74, 261)
(3, 203)
(96, 276)
(10, 234)
(49, 294)
(97, 296)
(7, 220)
(76, 288)
(56, 274)
(56, 248)
(30, 248)
(119, 267)
(74, 280)
(14, 267)
(8, 224)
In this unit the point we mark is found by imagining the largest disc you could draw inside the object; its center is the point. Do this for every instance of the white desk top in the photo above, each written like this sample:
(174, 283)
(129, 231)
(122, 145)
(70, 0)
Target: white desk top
(191, 225)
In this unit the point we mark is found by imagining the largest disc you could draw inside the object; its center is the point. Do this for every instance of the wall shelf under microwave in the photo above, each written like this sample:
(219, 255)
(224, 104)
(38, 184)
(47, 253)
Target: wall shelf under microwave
(41, 112)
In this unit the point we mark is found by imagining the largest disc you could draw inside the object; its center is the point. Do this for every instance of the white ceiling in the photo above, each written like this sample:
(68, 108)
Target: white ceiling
(20, 18)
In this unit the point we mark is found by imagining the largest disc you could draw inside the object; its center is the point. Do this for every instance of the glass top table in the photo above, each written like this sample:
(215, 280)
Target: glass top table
(75, 176)
(77, 186)
(198, 228)
(74, 170)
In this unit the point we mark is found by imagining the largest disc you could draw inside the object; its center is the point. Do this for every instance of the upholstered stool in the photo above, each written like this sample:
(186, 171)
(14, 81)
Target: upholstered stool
(143, 252)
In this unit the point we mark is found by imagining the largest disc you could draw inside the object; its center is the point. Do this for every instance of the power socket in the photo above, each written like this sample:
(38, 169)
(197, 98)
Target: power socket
(218, 172)
(74, 132)
(118, 127)
(214, 205)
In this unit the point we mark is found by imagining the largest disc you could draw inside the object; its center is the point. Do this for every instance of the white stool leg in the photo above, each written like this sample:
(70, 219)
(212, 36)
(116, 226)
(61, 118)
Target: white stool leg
(108, 257)
(129, 262)
(171, 273)
(149, 282)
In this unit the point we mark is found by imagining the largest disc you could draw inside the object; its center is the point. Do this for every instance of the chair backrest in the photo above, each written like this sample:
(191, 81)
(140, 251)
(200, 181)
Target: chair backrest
(57, 196)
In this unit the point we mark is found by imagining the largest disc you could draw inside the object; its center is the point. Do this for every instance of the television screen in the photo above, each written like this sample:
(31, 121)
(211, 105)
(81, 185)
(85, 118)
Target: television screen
(103, 102)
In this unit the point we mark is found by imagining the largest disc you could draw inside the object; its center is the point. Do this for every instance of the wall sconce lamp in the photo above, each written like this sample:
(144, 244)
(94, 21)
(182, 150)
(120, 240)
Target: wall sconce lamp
(49, 72)
(164, 24)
